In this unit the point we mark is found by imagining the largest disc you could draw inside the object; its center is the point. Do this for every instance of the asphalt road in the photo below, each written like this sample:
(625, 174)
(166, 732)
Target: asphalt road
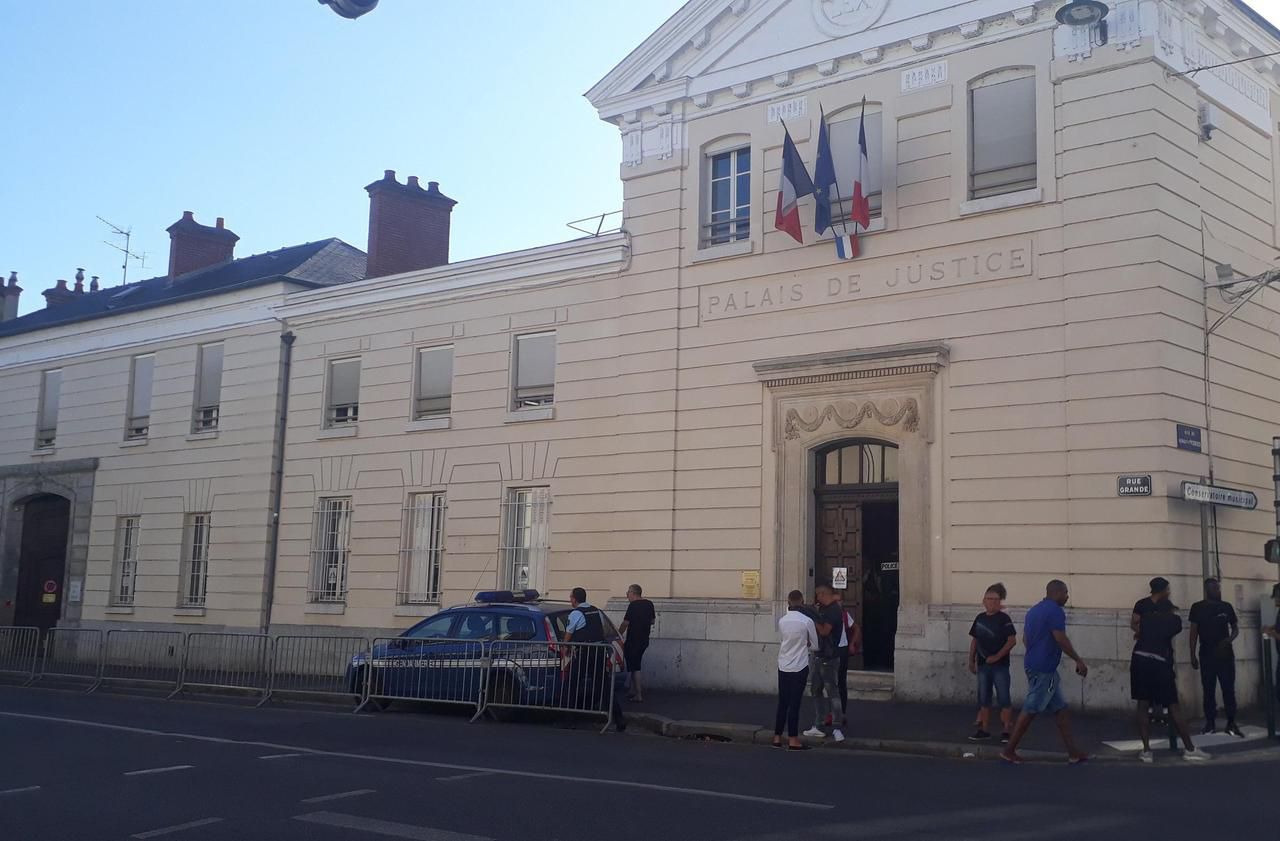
(102, 766)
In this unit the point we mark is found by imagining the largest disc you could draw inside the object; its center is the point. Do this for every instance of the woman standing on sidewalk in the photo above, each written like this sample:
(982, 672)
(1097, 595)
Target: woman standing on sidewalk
(798, 638)
(991, 638)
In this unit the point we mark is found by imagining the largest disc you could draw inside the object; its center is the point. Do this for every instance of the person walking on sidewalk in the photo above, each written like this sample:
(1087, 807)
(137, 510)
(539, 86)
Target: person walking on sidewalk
(797, 640)
(991, 638)
(636, 626)
(1215, 627)
(824, 683)
(850, 644)
(1045, 636)
(1151, 670)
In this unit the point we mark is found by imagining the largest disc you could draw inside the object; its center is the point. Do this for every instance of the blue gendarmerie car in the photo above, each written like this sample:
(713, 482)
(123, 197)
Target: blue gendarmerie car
(512, 640)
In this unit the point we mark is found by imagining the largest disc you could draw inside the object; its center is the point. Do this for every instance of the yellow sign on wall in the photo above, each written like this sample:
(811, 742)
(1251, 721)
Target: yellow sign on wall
(751, 584)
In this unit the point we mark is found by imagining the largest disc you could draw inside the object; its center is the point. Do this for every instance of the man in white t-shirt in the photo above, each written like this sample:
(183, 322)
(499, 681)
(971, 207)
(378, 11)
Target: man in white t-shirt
(798, 638)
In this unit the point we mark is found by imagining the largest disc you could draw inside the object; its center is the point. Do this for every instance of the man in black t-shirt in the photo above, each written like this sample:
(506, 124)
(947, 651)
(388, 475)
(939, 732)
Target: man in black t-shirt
(1214, 626)
(1151, 672)
(992, 637)
(635, 627)
(824, 685)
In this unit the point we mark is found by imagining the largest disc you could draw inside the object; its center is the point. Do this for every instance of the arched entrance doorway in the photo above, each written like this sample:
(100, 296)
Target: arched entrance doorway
(856, 540)
(42, 561)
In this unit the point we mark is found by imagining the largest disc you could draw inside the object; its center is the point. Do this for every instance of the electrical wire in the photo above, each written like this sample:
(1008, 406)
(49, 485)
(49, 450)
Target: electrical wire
(1193, 71)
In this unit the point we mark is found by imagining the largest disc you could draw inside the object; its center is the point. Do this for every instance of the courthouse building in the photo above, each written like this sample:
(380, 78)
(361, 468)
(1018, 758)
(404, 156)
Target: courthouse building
(1006, 384)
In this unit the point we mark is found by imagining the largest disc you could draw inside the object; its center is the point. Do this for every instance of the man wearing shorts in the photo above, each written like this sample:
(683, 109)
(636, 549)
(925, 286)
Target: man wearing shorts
(1151, 672)
(1045, 636)
(635, 628)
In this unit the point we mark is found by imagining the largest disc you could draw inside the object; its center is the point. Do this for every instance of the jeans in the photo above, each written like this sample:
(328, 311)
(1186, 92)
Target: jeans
(1215, 670)
(997, 678)
(826, 686)
(790, 696)
(1044, 693)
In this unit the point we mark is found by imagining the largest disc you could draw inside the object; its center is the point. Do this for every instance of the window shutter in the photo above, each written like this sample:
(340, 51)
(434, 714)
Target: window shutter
(49, 400)
(140, 394)
(344, 382)
(210, 376)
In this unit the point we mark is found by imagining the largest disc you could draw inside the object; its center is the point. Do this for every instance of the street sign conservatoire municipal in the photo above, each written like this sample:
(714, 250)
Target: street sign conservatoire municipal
(1133, 485)
(1215, 495)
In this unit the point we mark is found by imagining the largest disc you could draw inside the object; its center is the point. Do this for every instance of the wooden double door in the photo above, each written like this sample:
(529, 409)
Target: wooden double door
(858, 533)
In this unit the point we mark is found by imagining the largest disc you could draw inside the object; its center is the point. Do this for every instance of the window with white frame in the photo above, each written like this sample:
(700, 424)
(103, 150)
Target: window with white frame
(138, 422)
(330, 550)
(1002, 133)
(843, 136)
(195, 560)
(535, 371)
(342, 403)
(47, 414)
(208, 402)
(422, 549)
(433, 382)
(123, 585)
(526, 533)
(728, 203)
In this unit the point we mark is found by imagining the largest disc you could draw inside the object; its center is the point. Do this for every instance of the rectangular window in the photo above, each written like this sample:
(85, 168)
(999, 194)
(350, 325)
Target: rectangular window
(330, 549)
(343, 404)
(847, 154)
(526, 528)
(729, 202)
(126, 573)
(195, 560)
(535, 365)
(208, 388)
(138, 424)
(423, 549)
(47, 415)
(433, 382)
(1002, 137)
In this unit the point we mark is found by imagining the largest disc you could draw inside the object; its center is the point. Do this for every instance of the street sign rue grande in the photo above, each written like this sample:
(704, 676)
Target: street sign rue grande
(1215, 495)
(1133, 485)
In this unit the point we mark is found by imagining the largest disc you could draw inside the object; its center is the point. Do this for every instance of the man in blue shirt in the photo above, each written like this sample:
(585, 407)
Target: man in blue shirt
(1045, 636)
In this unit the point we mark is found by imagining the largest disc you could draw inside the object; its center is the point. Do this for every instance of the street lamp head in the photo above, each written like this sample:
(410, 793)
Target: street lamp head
(1082, 13)
(350, 9)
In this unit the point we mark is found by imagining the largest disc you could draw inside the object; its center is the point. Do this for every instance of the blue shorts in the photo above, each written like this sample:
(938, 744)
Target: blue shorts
(1044, 693)
(994, 678)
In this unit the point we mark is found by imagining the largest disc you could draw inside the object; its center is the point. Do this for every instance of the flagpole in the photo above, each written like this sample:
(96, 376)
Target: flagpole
(844, 220)
(862, 127)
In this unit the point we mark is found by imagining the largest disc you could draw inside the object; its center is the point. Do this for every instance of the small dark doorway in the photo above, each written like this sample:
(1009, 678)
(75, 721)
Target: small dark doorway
(42, 562)
(856, 498)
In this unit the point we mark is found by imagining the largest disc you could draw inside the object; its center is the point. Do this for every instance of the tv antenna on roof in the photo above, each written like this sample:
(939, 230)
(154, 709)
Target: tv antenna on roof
(127, 234)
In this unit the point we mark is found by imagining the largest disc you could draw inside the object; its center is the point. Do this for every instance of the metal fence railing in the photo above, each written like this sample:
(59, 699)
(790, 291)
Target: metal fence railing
(305, 665)
(442, 671)
(226, 661)
(145, 657)
(72, 654)
(19, 652)
(573, 677)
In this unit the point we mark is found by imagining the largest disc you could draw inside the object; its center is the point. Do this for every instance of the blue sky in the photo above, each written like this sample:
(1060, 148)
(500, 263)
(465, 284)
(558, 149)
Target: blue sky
(276, 113)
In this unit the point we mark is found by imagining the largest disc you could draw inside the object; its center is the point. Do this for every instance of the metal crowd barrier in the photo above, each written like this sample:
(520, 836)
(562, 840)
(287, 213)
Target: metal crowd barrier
(73, 654)
(1270, 689)
(573, 677)
(143, 657)
(442, 671)
(19, 651)
(226, 661)
(302, 665)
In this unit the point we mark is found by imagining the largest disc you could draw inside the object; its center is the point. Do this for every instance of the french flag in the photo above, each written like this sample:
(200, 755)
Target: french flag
(796, 184)
(860, 212)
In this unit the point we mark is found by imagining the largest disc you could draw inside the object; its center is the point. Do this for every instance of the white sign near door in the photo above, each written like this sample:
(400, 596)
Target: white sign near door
(840, 578)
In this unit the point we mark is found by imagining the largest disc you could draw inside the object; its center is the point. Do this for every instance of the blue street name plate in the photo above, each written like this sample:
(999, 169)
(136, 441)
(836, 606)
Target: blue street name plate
(1189, 438)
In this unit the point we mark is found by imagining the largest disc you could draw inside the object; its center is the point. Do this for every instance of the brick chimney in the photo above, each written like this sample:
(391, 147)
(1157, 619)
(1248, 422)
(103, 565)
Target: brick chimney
(59, 295)
(9, 298)
(194, 246)
(408, 226)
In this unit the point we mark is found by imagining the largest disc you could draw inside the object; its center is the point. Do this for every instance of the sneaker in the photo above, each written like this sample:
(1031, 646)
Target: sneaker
(979, 735)
(1233, 729)
(1147, 757)
(815, 732)
(837, 735)
(1197, 755)
(1005, 737)
(1209, 729)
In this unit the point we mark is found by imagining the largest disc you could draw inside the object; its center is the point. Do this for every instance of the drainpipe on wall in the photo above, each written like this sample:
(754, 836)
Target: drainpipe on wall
(277, 481)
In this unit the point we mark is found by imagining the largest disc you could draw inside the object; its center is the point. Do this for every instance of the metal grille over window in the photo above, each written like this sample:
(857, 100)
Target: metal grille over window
(344, 393)
(535, 370)
(1002, 139)
(729, 186)
(423, 549)
(122, 593)
(139, 421)
(208, 389)
(330, 549)
(844, 148)
(526, 534)
(434, 388)
(195, 574)
(47, 421)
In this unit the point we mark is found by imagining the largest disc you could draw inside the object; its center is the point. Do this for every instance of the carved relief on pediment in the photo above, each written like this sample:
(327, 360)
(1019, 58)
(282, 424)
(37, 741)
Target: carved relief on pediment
(849, 415)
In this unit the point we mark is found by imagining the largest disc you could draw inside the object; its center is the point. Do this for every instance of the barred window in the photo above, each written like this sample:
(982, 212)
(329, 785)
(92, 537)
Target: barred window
(1002, 134)
(342, 406)
(208, 403)
(330, 549)
(126, 572)
(47, 416)
(422, 549)
(433, 382)
(195, 560)
(138, 423)
(526, 528)
(535, 371)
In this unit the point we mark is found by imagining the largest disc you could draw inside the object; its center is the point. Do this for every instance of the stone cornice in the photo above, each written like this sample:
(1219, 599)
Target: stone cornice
(926, 358)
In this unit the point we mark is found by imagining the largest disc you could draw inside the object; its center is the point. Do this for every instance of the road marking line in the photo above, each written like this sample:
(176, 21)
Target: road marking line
(340, 795)
(164, 770)
(422, 763)
(20, 790)
(154, 833)
(388, 828)
(471, 776)
(280, 755)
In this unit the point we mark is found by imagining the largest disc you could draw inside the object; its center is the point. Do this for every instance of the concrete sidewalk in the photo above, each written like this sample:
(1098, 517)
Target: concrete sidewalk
(927, 729)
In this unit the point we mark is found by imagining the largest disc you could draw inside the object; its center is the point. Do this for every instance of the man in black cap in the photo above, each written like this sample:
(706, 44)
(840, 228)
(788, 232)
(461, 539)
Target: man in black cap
(1151, 673)
(1215, 627)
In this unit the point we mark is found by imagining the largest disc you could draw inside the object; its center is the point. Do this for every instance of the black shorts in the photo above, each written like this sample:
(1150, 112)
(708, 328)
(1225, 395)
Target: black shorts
(634, 654)
(1153, 681)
